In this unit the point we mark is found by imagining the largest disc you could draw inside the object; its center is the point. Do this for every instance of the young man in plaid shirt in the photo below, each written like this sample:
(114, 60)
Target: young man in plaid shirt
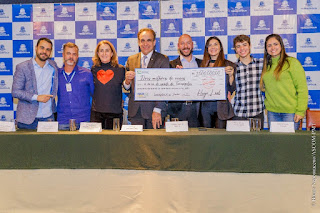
(248, 101)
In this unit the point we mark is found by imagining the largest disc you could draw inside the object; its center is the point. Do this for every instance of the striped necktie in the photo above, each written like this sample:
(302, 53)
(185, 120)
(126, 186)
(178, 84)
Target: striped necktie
(144, 63)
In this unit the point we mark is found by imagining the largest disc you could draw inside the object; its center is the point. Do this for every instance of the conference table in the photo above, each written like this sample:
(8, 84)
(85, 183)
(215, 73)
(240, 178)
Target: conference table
(206, 170)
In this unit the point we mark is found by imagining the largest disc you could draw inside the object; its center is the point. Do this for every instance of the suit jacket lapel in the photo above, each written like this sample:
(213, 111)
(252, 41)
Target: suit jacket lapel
(55, 82)
(152, 59)
(179, 61)
(33, 75)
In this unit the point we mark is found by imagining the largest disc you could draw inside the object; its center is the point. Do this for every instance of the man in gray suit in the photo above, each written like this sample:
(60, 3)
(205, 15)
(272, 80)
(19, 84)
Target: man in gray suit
(35, 84)
(146, 113)
(185, 110)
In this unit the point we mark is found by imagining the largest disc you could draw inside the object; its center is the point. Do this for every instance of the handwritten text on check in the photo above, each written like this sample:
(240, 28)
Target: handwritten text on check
(180, 84)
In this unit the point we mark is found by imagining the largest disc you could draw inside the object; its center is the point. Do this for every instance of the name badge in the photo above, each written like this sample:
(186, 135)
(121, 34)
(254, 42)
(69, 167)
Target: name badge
(90, 127)
(177, 126)
(282, 127)
(6, 126)
(68, 87)
(238, 126)
(45, 126)
(131, 128)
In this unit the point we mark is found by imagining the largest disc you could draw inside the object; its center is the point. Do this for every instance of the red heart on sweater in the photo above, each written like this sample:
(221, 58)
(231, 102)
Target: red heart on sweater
(105, 76)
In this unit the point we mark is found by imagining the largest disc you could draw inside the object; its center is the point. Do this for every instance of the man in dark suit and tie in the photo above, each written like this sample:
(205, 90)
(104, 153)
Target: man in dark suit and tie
(185, 110)
(35, 84)
(146, 113)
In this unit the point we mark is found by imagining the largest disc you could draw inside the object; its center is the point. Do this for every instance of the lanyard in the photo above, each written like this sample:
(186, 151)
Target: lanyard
(65, 77)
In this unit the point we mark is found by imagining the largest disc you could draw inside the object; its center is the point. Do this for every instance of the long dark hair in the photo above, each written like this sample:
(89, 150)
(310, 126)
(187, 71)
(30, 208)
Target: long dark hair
(220, 62)
(267, 62)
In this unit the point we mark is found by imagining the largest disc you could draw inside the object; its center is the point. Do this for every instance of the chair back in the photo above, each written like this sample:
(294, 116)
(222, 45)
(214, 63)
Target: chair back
(312, 118)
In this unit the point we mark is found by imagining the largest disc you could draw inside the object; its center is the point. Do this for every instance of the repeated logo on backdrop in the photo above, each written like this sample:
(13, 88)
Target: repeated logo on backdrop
(21, 25)
(6, 66)
(5, 31)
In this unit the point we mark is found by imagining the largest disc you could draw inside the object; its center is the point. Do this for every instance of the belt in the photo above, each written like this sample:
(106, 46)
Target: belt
(181, 102)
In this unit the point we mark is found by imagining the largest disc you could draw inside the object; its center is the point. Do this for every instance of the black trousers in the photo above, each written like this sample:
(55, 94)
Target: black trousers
(139, 120)
(106, 119)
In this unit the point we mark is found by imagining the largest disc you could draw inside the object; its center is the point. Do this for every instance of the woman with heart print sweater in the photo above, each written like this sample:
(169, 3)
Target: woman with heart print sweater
(108, 76)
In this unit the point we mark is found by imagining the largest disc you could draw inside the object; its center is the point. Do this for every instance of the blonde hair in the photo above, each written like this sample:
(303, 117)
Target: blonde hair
(114, 58)
(70, 45)
(267, 61)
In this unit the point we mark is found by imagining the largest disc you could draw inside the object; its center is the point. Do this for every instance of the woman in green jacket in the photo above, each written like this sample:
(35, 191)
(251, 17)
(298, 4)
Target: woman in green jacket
(284, 81)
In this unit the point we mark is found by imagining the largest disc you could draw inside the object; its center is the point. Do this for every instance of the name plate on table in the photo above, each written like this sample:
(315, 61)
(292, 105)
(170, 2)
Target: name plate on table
(238, 126)
(177, 126)
(131, 128)
(6, 126)
(282, 127)
(44, 126)
(164, 84)
(90, 127)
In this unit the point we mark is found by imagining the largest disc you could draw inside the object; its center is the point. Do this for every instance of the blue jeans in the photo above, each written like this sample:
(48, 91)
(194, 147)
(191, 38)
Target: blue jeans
(34, 125)
(284, 117)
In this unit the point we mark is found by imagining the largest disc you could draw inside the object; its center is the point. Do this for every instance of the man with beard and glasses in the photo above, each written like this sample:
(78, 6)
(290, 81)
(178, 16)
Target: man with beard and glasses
(75, 89)
(35, 84)
(185, 110)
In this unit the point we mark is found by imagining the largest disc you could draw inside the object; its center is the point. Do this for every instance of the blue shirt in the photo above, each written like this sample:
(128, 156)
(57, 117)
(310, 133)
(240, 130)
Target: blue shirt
(76, 103)
(44, 77)
(187, 64)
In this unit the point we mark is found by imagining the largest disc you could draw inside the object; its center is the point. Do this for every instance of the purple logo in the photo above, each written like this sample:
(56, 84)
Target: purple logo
(85, 29)
(106, 11)
(64, 12)
(193, 9)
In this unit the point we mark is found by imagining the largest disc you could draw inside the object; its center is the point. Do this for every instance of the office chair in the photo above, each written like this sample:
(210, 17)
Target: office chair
(312, 118)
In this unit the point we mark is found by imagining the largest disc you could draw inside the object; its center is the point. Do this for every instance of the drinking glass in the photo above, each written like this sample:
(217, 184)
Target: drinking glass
(72, 125)
(116, 124)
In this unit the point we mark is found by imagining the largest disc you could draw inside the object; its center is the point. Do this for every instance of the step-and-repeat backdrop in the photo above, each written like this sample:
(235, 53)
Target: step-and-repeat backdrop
(21, 25)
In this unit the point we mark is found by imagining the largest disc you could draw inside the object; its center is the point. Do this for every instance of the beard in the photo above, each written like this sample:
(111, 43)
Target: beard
(191, 51)
(39, 56)
(70, 62)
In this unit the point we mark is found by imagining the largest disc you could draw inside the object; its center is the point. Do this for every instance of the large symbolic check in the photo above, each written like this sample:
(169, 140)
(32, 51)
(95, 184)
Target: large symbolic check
(157, 84)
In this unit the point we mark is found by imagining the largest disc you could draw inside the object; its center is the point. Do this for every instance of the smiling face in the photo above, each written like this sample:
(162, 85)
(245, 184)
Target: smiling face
(214, 49)
(43, 50)
(273, 47)
(242, 49)
(146, 42)
(105, 53)
(185, 45)
(70, 56)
